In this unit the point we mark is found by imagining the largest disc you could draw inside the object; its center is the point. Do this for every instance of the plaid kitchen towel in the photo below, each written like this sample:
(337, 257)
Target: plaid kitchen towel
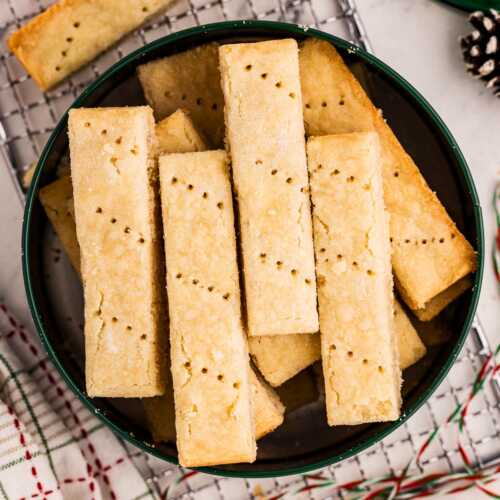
(51, 446)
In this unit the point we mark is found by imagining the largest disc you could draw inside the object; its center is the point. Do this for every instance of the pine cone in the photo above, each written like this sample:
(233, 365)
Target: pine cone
(481, 48)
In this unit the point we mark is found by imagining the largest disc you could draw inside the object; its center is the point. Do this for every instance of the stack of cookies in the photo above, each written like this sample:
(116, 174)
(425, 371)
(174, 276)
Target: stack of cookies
(255, 229)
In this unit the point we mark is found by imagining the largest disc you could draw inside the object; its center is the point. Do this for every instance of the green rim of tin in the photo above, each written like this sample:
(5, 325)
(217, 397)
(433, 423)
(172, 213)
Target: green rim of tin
(240, 27)
(472, 5)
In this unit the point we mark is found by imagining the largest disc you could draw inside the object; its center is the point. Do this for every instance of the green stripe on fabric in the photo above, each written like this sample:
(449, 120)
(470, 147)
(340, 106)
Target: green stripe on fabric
(148, 493)
(19, 460)
(3, 359)
(75, 440)
(16, 373)
(3, 492)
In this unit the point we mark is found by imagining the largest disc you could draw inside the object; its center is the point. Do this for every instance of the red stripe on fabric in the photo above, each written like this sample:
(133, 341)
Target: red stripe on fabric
(22, 440)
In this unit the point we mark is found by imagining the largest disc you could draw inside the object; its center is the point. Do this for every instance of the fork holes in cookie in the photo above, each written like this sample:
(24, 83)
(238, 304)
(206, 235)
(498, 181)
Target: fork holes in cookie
(204, 370)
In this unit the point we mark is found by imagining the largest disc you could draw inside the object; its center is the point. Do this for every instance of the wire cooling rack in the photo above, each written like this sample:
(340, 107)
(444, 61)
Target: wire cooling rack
(26, 119)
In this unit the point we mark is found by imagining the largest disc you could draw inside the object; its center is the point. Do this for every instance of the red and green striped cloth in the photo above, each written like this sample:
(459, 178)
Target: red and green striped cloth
(51, 446)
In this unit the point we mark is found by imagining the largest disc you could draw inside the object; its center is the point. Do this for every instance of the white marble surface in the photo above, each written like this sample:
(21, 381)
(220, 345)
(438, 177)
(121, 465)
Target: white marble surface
(418, 39)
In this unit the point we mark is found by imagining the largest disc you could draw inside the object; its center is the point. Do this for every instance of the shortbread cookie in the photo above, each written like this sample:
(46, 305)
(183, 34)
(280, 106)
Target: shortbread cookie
(57, 201)
(177, 134)
(71, 33)
(268, 409)
(189, 80)
(442, 300)
(410, 348)
(280, 357)
(351, 236)
(429, 252)
(113, 169)
(209, 353)
(265, 136)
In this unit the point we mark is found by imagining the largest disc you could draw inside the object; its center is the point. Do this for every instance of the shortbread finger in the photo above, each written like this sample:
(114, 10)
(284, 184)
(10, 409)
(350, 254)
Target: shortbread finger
(57, 201)
(442, 300)
(429, 252)
(113, 171)
(189, 80)
(265, 136)
(209, 353)
(177, 134)
(71, 33)
(351, 236)
(410, 348)
(280, 357)
(268, 409)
